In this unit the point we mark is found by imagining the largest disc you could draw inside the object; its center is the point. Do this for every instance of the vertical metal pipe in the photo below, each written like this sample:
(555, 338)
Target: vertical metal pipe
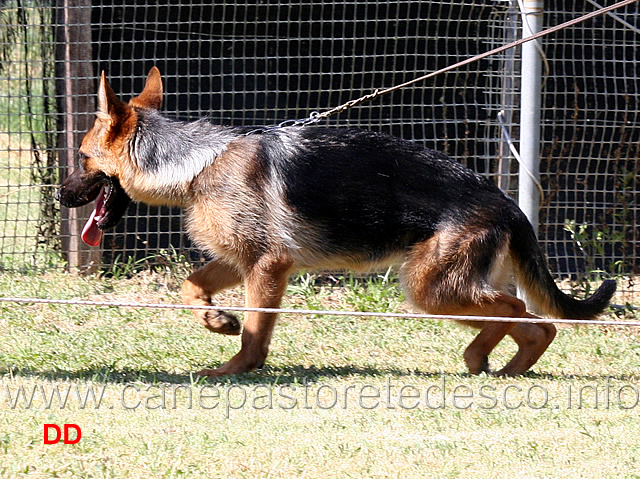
(509, 98)
(528, 193)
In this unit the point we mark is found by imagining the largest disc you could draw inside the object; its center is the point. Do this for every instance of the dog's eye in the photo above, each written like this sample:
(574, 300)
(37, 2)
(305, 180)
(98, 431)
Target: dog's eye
(82, 159)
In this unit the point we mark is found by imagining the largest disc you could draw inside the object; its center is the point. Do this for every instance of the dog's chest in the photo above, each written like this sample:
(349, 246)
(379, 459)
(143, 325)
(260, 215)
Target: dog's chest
(233, 233)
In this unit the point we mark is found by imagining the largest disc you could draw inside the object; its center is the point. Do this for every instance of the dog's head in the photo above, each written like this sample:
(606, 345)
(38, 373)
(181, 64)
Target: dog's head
(104, 158)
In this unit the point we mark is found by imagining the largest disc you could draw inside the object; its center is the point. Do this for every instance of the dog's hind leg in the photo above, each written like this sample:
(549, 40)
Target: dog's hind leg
(265, 285)
(462, 272)
(201, 285)
(476, 356)
(532, 339)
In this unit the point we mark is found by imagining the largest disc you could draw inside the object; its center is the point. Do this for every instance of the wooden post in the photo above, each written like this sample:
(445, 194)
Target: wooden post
(75, 86)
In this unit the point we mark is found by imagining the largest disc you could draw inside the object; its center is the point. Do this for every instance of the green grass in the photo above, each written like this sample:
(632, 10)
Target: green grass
(335, 400)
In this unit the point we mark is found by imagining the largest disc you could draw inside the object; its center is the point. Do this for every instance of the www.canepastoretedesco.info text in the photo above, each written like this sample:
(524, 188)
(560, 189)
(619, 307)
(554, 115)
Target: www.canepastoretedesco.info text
(391, 394)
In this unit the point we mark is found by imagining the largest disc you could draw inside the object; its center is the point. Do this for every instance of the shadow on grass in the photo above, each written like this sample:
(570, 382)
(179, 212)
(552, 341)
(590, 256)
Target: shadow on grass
(103, 375)
(270, 375)
(277, 375)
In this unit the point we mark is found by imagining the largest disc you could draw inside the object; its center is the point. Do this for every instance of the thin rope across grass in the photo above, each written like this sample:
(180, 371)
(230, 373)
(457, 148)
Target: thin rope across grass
(361, 314)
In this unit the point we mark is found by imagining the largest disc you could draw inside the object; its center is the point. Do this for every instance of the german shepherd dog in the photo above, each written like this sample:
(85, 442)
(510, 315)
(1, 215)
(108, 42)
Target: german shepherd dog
(268, 203)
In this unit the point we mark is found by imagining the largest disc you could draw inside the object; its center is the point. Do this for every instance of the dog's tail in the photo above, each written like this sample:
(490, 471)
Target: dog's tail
(532, 274)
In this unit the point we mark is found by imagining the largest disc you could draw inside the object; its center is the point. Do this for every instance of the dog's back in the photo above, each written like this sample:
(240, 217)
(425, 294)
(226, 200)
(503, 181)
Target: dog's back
(373, 195)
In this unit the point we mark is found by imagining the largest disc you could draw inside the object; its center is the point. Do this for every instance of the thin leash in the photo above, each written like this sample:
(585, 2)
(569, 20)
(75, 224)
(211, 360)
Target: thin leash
(316, 117)
(362, 314)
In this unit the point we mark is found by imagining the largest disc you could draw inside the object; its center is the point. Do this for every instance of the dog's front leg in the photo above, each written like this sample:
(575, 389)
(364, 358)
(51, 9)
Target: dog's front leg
(201, 285)
(265, 285)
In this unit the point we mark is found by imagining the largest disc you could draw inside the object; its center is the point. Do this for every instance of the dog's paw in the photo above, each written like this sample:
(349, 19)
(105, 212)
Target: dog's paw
(477, 365)
(221, 322)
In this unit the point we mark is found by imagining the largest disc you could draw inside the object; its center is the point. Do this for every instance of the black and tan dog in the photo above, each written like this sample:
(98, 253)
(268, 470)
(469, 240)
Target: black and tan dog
(269, 203)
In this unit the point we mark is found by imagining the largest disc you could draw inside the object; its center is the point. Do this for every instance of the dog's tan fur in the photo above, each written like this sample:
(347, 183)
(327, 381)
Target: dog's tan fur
(237, 210)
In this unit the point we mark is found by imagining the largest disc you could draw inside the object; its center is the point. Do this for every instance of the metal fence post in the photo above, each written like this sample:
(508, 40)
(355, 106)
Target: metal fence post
(528, 178)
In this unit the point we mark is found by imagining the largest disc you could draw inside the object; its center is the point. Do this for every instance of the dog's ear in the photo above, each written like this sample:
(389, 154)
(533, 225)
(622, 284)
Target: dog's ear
(151, 96)
(109, 106)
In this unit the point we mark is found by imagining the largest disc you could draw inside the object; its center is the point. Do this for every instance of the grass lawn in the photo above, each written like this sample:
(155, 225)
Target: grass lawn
(340, 397)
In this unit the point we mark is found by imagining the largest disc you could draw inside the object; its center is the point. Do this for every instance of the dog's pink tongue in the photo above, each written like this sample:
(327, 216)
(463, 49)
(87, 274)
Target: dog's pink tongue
(91, 234)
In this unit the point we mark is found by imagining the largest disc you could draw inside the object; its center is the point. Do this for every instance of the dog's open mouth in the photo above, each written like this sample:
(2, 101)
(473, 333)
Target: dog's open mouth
(91, 233)
(109, 207)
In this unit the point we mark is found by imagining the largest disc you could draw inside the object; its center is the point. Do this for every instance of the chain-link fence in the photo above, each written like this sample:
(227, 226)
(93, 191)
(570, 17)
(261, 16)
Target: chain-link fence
(259, 63)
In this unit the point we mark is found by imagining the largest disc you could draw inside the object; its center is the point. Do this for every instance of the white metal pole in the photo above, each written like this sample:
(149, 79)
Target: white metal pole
(528, 177)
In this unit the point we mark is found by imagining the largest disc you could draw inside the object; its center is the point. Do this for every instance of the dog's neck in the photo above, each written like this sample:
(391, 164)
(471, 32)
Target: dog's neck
(169, 154)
